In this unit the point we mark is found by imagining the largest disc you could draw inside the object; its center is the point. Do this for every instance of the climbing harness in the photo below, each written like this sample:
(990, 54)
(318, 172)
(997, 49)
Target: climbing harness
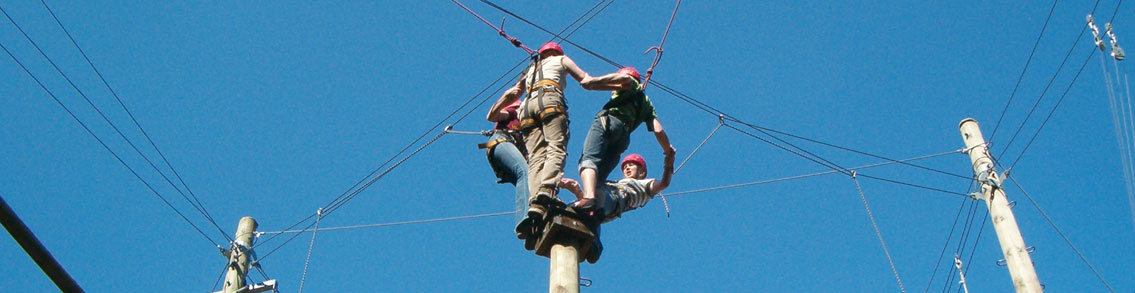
(528, 123)
(658, 49)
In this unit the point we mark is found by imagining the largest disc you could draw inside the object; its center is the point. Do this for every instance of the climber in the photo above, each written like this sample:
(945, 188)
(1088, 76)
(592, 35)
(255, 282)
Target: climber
(610, 132)
(629, 193)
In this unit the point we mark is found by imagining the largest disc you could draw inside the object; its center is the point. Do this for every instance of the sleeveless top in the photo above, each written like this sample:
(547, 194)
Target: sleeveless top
(550, 68)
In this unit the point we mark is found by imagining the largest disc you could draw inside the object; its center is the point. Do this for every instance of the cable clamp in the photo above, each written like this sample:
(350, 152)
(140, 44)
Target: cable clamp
(585, 282)
(974, 195)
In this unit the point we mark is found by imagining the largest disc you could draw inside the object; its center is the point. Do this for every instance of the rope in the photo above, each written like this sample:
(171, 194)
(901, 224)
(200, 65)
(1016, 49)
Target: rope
(319, 216)
(877, 232)
(500, 31)
(1061, 233)
(658, 49)
(721, 119)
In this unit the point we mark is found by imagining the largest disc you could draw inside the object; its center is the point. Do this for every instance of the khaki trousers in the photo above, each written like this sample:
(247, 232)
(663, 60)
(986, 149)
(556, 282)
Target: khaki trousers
(546, 142)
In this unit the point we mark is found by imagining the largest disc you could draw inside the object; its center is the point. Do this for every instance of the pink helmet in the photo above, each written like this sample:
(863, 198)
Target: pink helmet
(630, 71)
(551, 46)
(634, 158)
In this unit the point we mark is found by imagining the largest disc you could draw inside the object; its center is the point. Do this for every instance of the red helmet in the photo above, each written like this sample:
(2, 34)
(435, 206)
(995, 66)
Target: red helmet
(630, 71)
(551, 46)
(634, 158)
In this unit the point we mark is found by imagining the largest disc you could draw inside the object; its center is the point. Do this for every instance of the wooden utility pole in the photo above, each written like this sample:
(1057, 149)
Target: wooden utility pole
(565, 239)
(238, 256)
(564, 271)
(1008, 234)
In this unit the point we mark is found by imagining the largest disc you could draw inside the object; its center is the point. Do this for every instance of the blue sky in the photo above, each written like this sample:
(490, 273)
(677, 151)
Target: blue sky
(273, 110)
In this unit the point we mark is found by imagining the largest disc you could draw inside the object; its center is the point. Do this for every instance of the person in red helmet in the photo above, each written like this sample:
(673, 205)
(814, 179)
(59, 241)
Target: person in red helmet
(544, 122)
(610, 132)
(627, 194)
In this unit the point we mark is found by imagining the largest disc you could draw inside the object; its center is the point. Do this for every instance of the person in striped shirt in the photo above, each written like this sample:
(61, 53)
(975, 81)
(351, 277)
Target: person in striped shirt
(627, 194)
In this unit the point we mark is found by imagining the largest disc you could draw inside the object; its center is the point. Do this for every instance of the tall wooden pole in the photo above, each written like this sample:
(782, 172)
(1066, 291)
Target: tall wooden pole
(1012, 244)
(564, 272)
(238, 257)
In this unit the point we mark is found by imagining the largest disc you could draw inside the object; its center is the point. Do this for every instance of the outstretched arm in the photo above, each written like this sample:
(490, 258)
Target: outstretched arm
(497, 113)
(610, 82)
(571, 185)
(663, 139)
(657, 186)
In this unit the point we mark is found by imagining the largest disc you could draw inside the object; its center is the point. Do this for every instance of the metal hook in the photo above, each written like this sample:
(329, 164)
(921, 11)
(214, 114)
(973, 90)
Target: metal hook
(655, 48)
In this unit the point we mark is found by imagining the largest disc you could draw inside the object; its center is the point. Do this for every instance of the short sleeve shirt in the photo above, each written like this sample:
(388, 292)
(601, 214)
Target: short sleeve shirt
(630, 194)
(632, 107)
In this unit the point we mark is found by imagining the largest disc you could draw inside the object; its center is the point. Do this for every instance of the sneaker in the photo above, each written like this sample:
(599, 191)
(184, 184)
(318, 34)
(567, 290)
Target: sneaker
(585, 205)
(547, 199)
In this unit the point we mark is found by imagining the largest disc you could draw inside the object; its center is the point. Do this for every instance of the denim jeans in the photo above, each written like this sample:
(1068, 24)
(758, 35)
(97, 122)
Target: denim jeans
(507, 157)
(606, 141)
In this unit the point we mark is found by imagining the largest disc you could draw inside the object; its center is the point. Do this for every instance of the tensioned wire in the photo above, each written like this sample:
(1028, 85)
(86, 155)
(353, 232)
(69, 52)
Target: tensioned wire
(347, 195)
(730, 186)
(105, 146)
(1022, 75)
(1060, 68)
(694, 102)
(107, 120)
(197, 201)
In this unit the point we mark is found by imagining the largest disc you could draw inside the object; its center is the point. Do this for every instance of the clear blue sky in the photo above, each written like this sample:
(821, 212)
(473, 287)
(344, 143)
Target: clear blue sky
(274, 109)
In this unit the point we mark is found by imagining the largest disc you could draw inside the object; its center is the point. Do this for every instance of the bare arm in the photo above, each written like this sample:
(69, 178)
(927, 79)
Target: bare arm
(581, 76)
(497, 112)
(610, 82)
(657, 186)
(571, 185)
(660, 135)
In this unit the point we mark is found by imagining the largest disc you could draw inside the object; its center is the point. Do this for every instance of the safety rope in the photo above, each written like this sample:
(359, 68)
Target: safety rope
(658, 49)
(721, 122)
(877, 232)
(318, 217)
(500, 30)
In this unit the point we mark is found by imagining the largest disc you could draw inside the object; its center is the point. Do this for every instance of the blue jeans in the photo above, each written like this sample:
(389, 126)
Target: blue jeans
(507, 158)
(606, 141)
